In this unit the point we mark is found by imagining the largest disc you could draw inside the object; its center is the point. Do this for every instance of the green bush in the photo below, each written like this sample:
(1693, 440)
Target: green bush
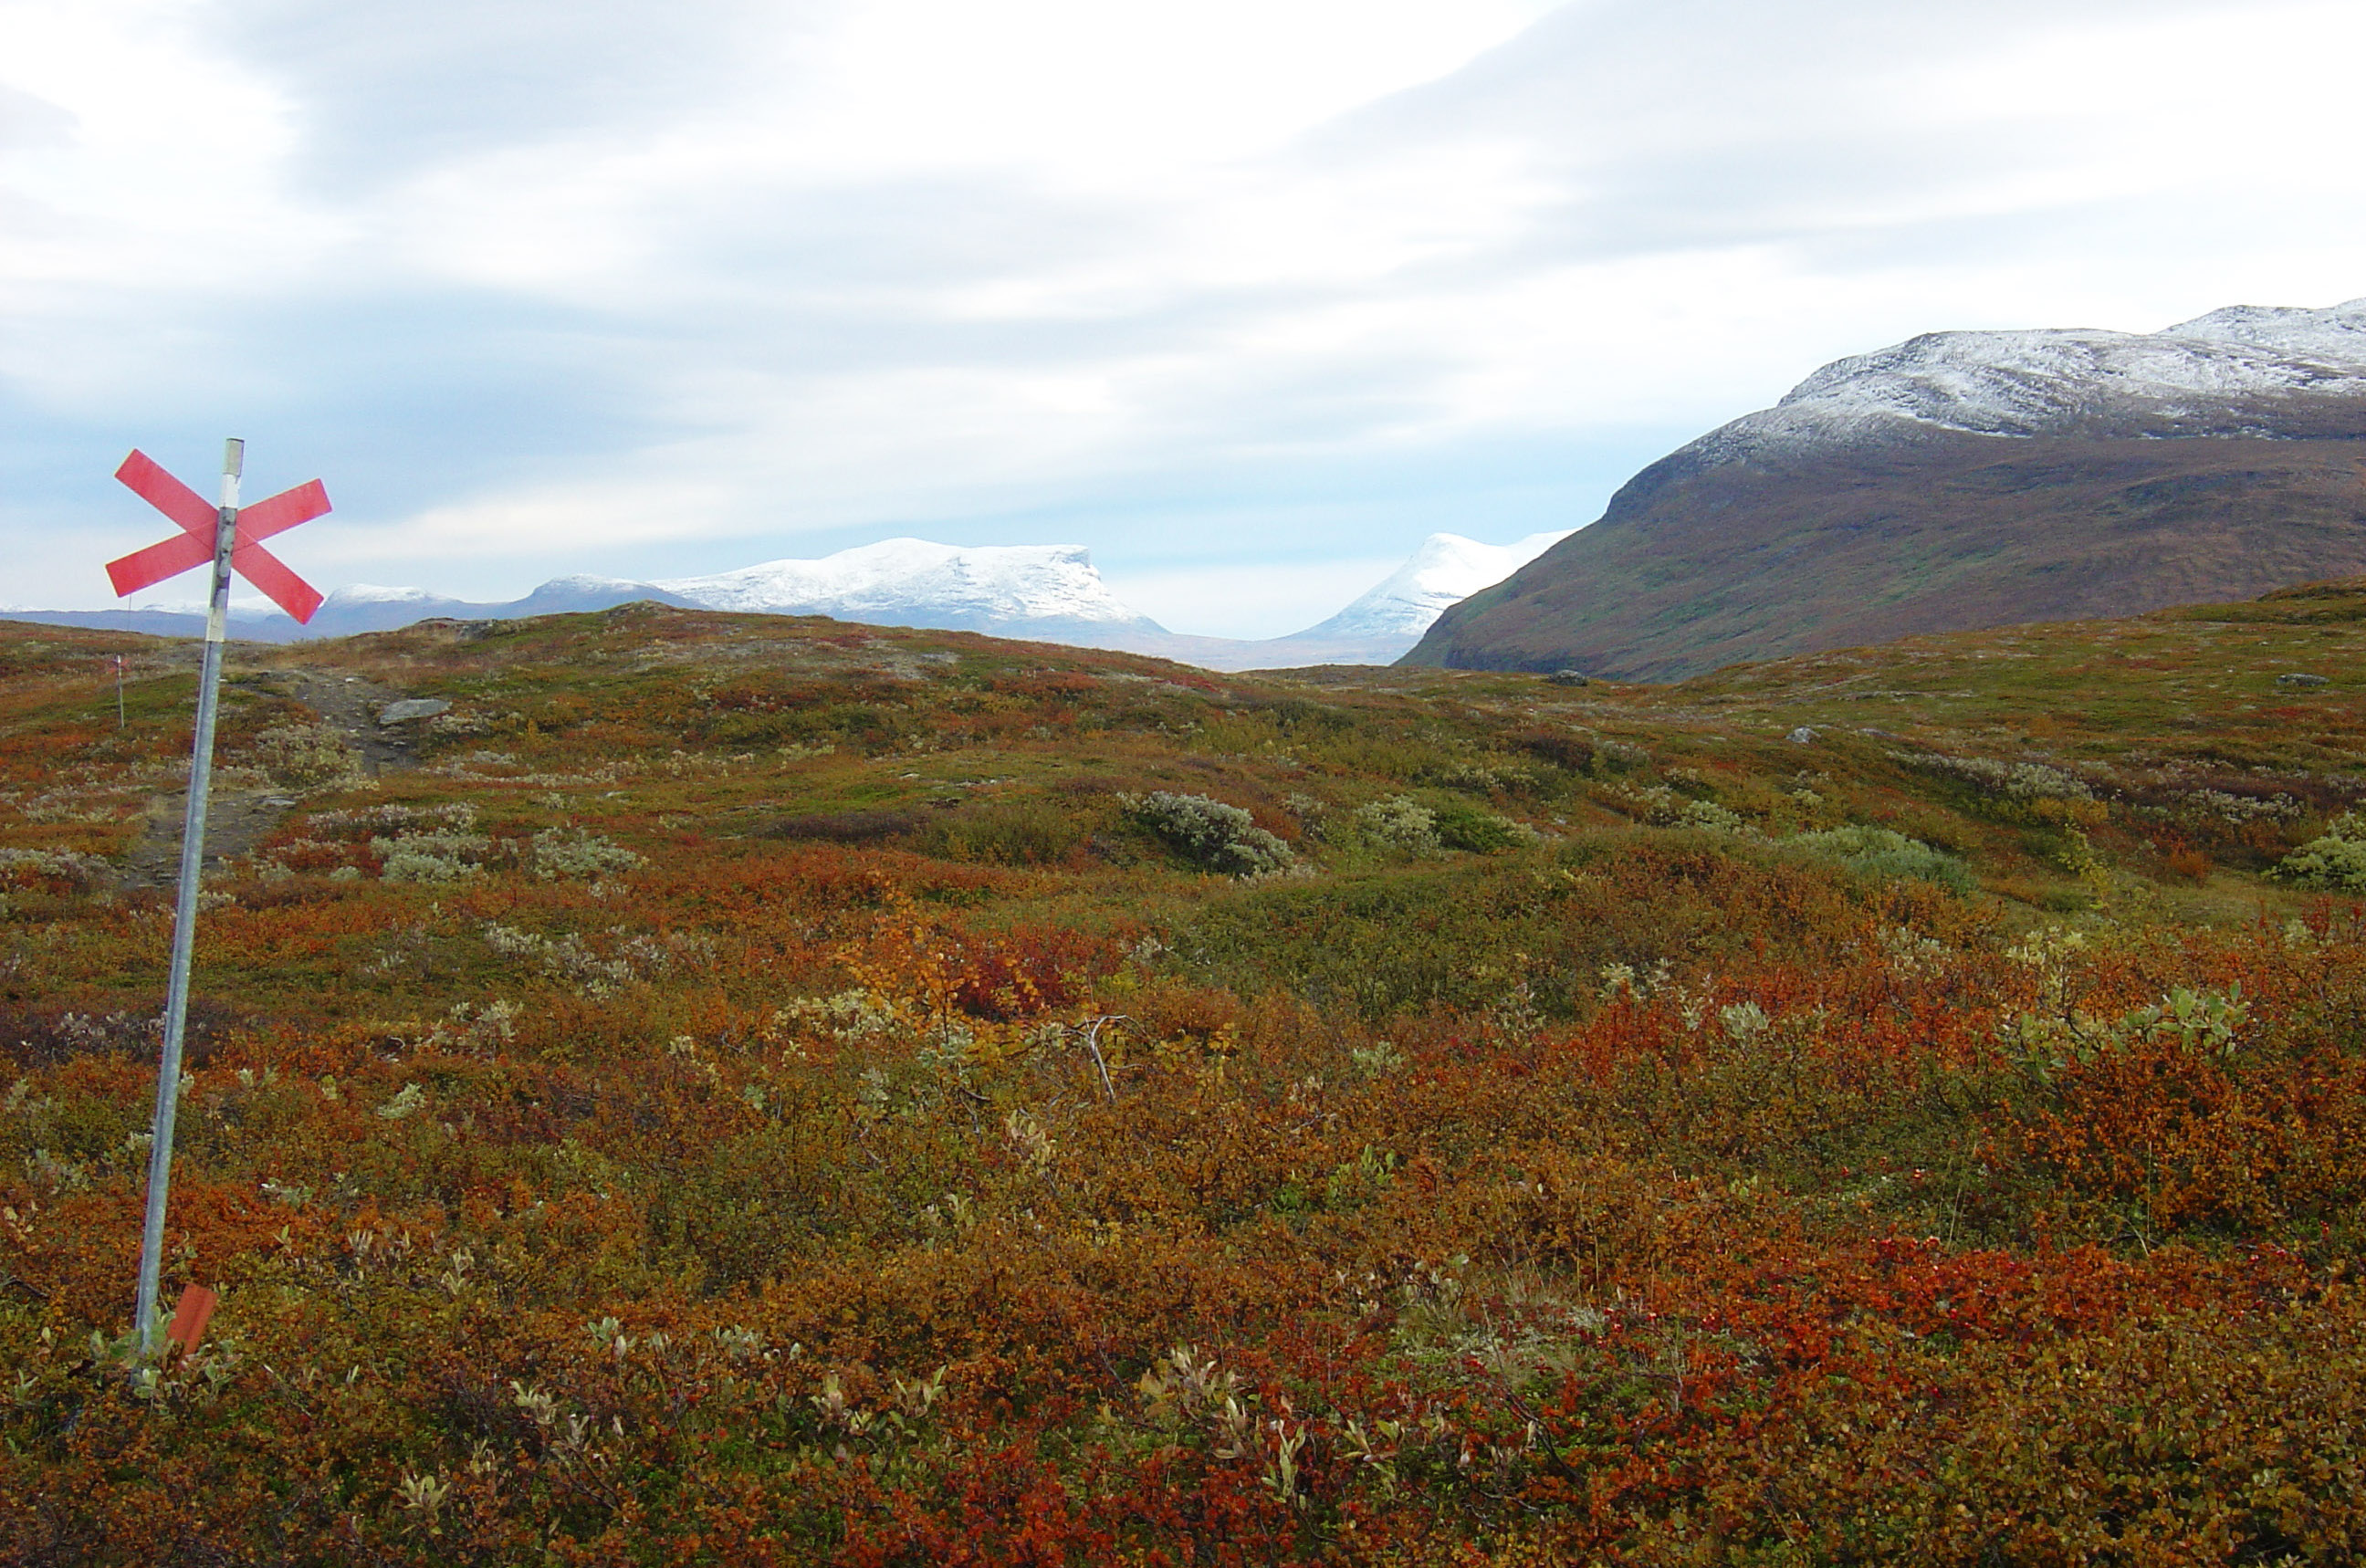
(1208, 832)
(1403, 823)
(1482, 832)
(571, 851)
(431, 857)
(2336, 862)
(306, 757)
(1014, 832)
(1884, 855)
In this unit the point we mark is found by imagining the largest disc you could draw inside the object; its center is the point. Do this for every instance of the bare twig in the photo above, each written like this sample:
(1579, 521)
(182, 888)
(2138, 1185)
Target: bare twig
(289, 1392)
(1093, 1044)
(1552, 1450)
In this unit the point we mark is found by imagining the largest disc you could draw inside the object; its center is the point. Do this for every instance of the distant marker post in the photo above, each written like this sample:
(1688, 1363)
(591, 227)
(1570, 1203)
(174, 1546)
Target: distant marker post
(230, 538)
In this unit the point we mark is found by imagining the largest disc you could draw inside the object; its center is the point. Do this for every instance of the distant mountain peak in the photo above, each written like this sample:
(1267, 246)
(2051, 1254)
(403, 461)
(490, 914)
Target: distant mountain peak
(978, 587)
(1443, 570)
(2335, 333)
(372, 594)
(589, 583)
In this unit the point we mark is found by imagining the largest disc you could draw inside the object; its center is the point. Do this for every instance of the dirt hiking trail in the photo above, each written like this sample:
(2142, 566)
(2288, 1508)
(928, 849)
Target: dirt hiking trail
(238, 819)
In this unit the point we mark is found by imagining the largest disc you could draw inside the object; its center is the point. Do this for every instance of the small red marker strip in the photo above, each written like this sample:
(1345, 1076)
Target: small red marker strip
(189, 1319)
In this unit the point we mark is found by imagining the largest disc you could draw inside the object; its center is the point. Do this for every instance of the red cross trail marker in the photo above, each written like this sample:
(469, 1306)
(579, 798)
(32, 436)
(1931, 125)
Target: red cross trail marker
(231, 538)
(199, 523)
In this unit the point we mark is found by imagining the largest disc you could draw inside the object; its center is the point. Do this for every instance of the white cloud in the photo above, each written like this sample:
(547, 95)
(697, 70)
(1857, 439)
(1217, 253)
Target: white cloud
(604, 285)
(1103, 95)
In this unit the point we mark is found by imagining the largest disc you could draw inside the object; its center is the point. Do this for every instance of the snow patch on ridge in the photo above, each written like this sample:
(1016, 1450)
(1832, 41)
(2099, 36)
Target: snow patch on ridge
(581, 582)
(2225, 373)
(371, 593)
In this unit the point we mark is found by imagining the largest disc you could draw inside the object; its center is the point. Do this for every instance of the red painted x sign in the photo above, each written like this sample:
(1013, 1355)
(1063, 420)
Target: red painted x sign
(194, 544)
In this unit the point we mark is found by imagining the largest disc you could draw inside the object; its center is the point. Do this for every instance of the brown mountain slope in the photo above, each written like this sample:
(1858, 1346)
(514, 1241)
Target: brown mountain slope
(1694, 565)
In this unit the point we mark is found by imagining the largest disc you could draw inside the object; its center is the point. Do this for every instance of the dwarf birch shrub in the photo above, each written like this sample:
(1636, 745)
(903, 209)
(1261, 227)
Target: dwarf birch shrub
(2237, 808)
(1708, 815)
(306, 757)
(2014, 781)
(851, 1015)
(571, 851)
(1882, 854)
(1507, 778)
(1403, 823)
(564, 958)
(431, 857)
(2335, 862)
(457, 817)
(1482, 832)
(77, 870)
(1016, 833)
(1208, 832)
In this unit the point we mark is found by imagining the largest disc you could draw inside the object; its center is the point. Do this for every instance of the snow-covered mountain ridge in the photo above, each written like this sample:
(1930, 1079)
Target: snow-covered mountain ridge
(1044, 592)
(2245, 370)
(1054, 593)
(977, 589)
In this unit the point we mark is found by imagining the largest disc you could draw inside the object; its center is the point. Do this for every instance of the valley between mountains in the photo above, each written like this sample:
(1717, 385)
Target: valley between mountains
(741, 1089)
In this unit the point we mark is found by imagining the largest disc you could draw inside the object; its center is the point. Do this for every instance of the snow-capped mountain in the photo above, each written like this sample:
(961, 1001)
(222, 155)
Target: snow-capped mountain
(1016, 590)
(1050, 592)
(1046, 593)
(2243, 371)
(1443, 570)
(1962, 480)
(1054, 593)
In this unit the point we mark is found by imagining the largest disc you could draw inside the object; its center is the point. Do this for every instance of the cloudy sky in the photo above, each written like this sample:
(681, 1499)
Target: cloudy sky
(1246, 295)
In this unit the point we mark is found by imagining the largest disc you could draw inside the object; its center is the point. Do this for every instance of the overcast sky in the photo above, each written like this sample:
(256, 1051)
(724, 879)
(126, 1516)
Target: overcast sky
(1248, 296)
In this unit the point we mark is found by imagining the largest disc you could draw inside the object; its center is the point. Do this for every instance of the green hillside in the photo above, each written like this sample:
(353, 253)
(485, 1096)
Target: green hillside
(1693, 567)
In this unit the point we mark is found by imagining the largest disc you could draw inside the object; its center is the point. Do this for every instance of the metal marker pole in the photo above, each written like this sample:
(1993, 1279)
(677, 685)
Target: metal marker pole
(185, 909)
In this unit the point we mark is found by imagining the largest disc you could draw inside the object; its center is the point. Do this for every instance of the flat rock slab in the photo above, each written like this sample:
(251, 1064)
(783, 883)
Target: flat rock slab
(411, 708)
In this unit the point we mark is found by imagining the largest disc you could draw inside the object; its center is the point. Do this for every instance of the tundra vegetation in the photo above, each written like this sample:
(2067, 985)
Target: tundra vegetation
(766, 1090)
